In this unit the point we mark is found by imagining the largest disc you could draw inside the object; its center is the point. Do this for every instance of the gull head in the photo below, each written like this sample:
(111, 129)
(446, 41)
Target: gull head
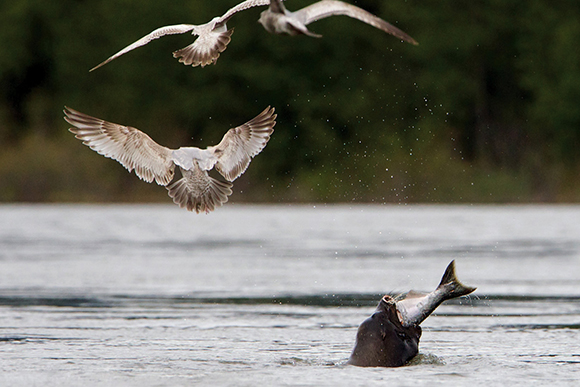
(267, 20)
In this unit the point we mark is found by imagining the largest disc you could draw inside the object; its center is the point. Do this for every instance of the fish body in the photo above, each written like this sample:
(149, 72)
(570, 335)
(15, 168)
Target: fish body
(390, 336)
(415, 307)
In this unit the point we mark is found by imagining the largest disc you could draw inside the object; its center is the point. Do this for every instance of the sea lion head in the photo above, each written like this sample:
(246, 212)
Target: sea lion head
(382, 341)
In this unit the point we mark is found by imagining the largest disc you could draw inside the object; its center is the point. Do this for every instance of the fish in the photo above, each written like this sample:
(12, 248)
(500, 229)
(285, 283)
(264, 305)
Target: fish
(390, 336)
(414, 307)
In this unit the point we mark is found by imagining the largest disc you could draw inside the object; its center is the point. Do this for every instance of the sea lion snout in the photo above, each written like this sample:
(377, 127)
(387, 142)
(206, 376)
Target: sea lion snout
(382, 341)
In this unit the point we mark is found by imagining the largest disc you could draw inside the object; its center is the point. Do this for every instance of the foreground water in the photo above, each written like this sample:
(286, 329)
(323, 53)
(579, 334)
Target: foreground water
(273, 295)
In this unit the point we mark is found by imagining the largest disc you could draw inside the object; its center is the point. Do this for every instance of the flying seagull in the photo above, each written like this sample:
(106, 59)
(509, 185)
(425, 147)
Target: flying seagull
(196, 190)
(278, 20)
(213, 38)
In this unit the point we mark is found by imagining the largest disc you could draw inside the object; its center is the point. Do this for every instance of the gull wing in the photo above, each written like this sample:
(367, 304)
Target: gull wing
(168, 30)
(129, 146)
(241, 7)
(326, 8)
(197, 191)
(239, 145)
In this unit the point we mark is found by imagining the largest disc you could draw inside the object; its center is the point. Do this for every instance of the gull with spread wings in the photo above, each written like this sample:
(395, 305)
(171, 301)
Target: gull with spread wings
(213, 38)
(196, 190)
(278, 20)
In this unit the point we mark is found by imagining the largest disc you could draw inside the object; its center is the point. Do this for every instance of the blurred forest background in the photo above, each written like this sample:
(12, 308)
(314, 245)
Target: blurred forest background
(485, 109)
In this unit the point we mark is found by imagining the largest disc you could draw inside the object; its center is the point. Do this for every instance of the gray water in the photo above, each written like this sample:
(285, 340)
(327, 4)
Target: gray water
(273, 295)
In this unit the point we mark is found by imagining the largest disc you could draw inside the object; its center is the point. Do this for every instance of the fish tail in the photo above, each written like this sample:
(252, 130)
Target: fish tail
(454, 288)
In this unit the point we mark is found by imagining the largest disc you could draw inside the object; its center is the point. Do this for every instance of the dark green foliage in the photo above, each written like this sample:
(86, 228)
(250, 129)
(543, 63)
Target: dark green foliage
(486, 108)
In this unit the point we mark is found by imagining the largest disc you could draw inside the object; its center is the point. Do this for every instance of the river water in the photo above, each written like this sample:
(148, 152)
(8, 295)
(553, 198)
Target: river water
(143, 295)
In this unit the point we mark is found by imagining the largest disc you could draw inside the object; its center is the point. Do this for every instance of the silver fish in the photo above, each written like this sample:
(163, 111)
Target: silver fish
(415, 307)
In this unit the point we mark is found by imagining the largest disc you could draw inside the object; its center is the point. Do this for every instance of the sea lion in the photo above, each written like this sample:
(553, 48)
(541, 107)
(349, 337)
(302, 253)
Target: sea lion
(382, 341)
(390, 337)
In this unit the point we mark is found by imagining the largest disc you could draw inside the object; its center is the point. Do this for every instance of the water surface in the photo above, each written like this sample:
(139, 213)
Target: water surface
(273, 295)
